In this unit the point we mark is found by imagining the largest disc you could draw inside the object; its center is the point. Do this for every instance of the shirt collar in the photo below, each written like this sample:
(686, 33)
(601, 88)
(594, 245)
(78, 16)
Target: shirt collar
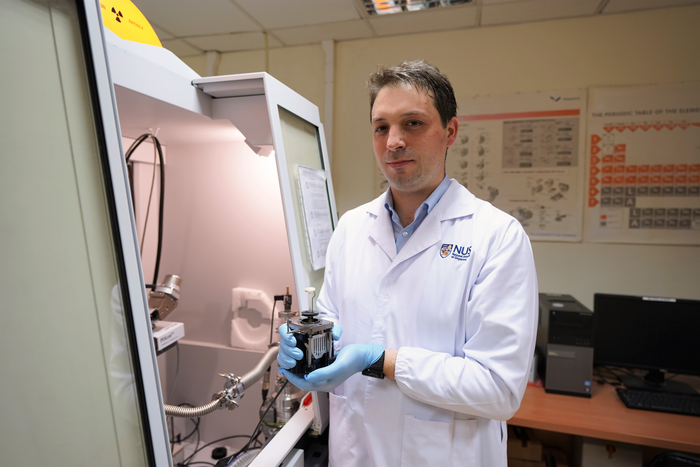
(429, 203)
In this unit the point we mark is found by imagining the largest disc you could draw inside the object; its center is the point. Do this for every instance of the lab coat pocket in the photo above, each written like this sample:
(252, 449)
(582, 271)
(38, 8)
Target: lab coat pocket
(338, 430)
(438, 443)
(466, 450)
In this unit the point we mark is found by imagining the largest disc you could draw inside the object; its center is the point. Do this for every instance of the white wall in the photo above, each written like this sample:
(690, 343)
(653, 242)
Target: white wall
(656, 46)
(649, 47)
(224, 228)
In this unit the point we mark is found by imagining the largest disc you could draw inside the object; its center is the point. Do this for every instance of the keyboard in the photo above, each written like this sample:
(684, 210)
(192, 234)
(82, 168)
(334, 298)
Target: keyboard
(684, 404)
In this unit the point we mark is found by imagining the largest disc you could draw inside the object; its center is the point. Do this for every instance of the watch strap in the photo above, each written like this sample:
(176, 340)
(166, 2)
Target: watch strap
(376, 369)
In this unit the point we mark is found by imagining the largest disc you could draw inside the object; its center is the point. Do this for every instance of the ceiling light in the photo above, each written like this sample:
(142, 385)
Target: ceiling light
(384, 7)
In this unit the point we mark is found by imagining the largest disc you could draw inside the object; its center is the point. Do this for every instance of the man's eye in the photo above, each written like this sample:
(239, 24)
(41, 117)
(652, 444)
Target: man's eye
(414, 123)
(379, 129)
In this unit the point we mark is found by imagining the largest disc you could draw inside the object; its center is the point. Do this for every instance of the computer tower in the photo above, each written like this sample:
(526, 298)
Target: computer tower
(565, 345)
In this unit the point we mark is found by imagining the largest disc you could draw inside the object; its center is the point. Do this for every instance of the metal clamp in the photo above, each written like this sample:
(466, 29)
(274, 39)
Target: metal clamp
(232, 391)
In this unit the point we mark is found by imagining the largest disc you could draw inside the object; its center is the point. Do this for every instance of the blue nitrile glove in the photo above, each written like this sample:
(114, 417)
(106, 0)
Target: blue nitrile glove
(351, 359)
(337, 331)
(289, 354)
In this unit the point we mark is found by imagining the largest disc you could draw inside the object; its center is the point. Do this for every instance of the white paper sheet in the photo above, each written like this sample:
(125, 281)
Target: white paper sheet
(317, 213)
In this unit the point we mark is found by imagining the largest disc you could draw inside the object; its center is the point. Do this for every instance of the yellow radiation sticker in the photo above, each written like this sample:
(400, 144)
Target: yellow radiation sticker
(126, 21)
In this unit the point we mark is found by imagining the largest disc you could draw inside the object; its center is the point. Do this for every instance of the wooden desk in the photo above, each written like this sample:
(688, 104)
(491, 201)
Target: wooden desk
(604, 416)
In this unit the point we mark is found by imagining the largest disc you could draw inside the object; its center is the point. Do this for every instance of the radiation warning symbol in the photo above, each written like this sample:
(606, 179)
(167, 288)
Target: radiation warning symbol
(118, 13)
(130, 23)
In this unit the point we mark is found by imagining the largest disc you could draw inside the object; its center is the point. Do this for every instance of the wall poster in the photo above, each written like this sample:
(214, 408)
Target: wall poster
(644, 165)
(524, 153)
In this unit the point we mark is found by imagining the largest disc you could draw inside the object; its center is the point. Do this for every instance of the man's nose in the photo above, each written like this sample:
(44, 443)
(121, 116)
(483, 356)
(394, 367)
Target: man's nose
(396, 139)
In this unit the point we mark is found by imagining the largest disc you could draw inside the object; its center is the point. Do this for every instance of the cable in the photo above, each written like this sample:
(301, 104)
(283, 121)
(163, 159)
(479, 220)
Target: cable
(266, 384)
(130, 166)
(257, 427)
(197, 444)
(266, 381)
(195, 421)
(209, 444)
(134, 145)
(159, 150)
(272, 319)
(262, 417)
(150, 197)
(194, 430)
(613, 372)
(160, 210)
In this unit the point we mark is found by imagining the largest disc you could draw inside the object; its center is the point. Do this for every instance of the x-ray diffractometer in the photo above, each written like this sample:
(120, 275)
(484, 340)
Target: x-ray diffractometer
(232, 206)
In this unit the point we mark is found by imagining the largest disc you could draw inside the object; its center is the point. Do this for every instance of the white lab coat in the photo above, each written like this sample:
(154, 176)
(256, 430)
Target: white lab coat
(464, 325)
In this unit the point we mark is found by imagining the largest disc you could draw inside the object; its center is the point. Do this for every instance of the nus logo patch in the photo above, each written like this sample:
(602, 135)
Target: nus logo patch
(445, 250)
(458, 252)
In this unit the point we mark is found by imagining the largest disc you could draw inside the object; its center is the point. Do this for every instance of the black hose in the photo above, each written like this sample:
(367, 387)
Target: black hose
(272, 320)
(160, 209)
(161, 206)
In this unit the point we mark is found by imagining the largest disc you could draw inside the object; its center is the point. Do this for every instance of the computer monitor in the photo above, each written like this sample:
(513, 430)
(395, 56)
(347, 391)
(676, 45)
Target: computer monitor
(648, 333)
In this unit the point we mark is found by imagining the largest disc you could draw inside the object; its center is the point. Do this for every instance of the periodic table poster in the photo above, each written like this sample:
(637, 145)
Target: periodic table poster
(643, 176)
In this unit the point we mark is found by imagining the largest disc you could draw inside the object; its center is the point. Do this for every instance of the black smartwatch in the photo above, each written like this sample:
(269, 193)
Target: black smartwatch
(376, 369)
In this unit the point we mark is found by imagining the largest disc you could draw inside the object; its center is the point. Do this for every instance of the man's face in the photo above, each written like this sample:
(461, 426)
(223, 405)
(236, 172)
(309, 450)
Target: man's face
(409, 139)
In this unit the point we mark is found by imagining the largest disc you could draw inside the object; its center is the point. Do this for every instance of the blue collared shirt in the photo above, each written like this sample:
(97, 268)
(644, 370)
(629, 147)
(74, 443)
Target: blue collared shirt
(401, 234)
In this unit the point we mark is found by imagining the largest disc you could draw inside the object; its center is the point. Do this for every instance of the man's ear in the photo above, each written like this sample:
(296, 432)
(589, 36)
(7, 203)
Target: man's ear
(452, 127)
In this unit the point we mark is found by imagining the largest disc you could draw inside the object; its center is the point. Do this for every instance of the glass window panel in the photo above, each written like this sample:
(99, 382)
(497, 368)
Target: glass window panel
(301, 147)
(69, 388)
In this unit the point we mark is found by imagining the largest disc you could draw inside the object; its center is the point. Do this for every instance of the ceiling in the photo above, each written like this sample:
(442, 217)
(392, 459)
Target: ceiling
(193, 27)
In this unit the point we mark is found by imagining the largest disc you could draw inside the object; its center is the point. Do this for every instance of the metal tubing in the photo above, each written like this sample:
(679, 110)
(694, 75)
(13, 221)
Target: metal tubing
(193, 412)
(257, 373)
(246, 381)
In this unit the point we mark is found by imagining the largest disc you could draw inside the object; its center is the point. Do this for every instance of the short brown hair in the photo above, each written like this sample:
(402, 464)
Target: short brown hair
(422, 76)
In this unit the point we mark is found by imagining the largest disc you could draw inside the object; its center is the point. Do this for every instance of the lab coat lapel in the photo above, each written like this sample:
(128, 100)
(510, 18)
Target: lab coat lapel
(426, 235)
(456, 202)
(380, 229)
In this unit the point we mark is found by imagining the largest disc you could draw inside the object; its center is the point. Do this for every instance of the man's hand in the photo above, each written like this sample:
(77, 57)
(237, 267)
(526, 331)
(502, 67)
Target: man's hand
(289, 353)
(351, 359)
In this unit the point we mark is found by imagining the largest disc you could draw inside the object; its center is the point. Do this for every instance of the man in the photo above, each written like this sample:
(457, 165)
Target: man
(432, 288)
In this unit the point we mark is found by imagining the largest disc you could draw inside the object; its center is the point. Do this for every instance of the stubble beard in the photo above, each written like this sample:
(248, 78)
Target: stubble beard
(406, 182)
(400, 180)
